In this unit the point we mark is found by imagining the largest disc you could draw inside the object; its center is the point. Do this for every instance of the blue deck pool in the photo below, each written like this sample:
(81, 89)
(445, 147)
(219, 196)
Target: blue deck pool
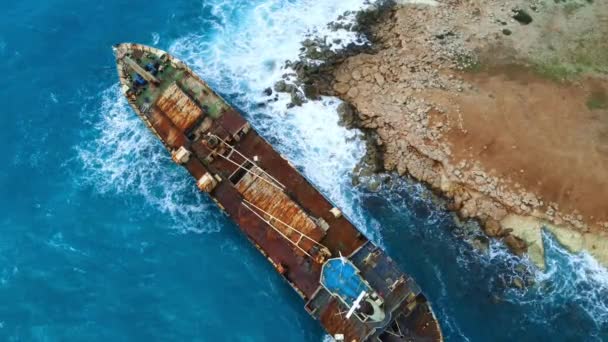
(341, 278)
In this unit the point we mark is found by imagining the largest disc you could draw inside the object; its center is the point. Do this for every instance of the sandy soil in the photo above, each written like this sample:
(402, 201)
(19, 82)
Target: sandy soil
(503, 112)
(538, 134)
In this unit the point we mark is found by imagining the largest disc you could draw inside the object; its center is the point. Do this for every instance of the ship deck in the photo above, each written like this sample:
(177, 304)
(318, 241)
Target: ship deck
(278, 209)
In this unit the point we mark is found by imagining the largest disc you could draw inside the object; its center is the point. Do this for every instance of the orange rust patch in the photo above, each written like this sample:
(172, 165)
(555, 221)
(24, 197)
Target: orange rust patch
(179, 107)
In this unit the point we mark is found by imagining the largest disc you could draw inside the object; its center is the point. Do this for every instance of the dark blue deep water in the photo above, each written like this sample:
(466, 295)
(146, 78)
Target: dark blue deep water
(102, 238)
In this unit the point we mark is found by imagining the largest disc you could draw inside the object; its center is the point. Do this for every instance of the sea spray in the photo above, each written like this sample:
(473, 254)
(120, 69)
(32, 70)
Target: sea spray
(241, 61)
(576, 281)
(124, 157)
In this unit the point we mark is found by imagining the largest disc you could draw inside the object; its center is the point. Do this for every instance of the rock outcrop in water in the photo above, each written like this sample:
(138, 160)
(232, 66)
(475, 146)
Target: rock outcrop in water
(507, 126)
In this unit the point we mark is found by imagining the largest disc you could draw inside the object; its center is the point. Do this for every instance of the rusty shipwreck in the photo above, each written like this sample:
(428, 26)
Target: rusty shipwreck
(350, 285)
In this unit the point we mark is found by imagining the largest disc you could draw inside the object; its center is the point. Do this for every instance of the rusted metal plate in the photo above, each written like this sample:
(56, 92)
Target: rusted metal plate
(195, 168)
(342, 237)
(201, 150)
(232, 121)
(167, 130)
(259, 189)
(179, 107)
(334, 320)
(217, 161)
(420, 324)
(299, 270)
(280, 210)
(220, 132)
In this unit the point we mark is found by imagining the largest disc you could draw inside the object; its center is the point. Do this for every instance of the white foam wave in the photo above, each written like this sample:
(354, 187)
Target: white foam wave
(328, 338)
(155, 38)
(252, 39)
(124, 157)
(324, 151)
(240, 52)
(53, 98)
(576, 280)
(246, 55)
(57, 241)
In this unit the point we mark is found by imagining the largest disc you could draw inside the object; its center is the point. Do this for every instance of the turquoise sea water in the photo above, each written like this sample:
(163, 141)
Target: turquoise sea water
(103, 238)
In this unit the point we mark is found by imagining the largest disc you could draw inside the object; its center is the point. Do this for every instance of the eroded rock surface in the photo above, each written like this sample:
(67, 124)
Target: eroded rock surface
(512, 127)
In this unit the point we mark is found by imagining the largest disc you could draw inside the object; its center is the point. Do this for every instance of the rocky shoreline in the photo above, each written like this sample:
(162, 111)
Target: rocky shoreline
(416, 91)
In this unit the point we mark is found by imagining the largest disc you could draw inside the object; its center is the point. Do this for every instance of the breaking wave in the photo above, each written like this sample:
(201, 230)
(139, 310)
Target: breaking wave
(574, 281)
(242, 60)
(123, 157)
(239, 52)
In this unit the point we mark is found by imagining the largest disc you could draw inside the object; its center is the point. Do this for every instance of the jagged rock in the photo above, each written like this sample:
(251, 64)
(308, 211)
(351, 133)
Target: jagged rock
(308, 43)
(346, 114)
(516, 245)
(371, 163)
(522, 16)
(341, 88)
(311, 91)
(343, 77)
(373, 183)
(379, 79)
(297, 98)
(444, 35)
(353, 92)
(492, 228)
(314, 53)
(281, 87)
(517, 282)
(481, 243)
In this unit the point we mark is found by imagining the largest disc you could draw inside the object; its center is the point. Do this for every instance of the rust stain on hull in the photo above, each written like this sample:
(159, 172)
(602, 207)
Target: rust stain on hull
(280, 212)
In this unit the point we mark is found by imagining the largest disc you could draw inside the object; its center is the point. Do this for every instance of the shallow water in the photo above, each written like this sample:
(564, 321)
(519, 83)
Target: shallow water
(104, 238)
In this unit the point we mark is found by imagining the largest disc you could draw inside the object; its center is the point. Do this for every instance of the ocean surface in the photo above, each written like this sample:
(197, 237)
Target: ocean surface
(104, 239)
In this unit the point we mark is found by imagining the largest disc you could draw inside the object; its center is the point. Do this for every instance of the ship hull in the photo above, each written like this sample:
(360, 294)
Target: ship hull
(284, 216)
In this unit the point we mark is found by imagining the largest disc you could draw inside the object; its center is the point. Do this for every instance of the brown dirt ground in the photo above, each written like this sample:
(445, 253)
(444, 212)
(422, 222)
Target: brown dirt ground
(537, 133)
